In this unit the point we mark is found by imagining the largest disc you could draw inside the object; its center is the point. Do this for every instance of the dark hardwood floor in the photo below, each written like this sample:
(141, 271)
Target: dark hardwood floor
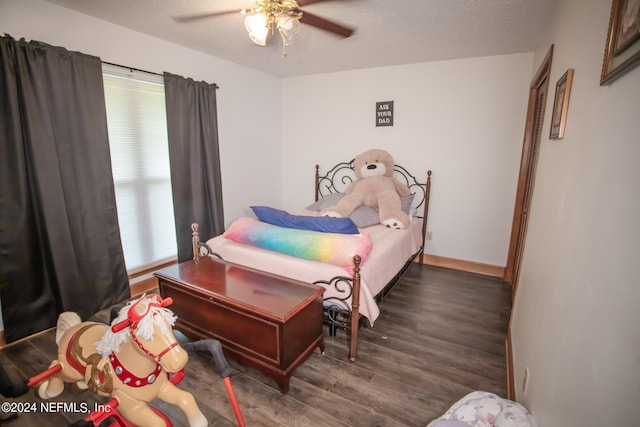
(440, 335)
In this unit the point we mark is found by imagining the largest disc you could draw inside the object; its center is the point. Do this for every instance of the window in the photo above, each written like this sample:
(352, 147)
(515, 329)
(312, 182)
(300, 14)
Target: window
(136, 120)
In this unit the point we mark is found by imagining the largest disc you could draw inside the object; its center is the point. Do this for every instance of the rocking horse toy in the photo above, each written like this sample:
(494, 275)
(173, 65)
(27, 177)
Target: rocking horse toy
(134, 361)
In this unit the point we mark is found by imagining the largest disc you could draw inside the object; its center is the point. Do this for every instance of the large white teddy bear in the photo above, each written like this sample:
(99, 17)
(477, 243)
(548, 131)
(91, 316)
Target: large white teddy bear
(375, 187)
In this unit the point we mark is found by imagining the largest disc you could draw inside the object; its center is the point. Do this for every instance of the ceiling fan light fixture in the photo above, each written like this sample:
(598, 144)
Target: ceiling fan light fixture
(272, 15)
(288, 25)
(256, 26)
(288, 28)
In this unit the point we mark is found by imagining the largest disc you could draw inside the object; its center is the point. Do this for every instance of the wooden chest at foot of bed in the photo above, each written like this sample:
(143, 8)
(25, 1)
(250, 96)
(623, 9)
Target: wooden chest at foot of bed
(262, 320)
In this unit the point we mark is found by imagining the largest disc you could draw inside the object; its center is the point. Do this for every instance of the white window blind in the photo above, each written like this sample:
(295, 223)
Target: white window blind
(136, 120)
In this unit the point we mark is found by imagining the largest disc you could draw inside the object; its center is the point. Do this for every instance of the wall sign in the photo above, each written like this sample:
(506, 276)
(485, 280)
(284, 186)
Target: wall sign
(384, 113)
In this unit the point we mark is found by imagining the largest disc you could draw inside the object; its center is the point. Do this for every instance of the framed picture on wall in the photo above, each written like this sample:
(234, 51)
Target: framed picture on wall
(622, 51)
(561, 105)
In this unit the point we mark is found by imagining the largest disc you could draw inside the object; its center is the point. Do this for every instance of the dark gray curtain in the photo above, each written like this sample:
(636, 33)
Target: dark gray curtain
(195, 160)
(60, 244)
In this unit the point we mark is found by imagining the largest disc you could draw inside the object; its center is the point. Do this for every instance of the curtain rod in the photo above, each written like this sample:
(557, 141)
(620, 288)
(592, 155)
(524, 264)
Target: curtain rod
(131, 68)
(142, 71)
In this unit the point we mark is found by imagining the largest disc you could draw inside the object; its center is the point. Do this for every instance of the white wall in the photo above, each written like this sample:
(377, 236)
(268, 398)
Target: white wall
(273, 131)
(248, 100)
(464, 119)
(577, 308)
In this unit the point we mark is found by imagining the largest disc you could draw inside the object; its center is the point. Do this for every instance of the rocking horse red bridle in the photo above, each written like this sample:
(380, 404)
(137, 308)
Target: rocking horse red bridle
(132, 321)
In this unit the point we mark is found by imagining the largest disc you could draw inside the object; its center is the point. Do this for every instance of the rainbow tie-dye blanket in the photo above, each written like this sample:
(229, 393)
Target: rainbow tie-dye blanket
(331, 248)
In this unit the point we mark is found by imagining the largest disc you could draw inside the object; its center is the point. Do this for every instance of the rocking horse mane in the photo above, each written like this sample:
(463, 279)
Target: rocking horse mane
(111, 341)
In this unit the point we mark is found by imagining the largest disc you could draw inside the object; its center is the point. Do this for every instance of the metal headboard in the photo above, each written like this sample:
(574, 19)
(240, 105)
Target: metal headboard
(338, 178)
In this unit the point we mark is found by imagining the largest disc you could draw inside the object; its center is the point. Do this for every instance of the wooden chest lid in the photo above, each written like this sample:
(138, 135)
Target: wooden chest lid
(240, 285)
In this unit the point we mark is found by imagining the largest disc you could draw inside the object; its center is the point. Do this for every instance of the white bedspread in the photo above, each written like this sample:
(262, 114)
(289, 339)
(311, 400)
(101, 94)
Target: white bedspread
(391, 250)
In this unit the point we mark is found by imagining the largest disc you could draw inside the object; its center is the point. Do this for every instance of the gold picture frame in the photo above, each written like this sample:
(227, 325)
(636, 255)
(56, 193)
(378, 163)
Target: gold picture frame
(622, 51)
(561, 105)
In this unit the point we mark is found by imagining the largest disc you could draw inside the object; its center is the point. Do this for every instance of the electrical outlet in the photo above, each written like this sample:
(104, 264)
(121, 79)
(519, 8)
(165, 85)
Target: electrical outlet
(429, 235)
(525, 380)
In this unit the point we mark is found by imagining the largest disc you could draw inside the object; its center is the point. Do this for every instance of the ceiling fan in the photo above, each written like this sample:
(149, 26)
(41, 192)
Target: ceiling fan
(269, 16)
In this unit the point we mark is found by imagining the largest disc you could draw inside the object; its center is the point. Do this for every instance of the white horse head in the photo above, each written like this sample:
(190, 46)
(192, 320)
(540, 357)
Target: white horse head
(149, 323)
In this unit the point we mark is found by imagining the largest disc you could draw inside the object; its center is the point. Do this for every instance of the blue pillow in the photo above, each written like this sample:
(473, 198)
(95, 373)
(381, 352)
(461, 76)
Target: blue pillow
(324, 224)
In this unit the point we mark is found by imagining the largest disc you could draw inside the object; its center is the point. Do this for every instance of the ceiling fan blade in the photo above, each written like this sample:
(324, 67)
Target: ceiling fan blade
(323, 24)
(306, 2)
(198, 16)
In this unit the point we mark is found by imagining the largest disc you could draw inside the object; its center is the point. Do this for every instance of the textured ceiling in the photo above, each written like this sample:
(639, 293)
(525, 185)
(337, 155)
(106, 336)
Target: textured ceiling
(387, 32)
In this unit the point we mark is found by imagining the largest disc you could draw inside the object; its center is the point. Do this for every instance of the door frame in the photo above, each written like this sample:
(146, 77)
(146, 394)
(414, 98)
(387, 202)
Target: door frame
(526, 175)
(528, 162)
